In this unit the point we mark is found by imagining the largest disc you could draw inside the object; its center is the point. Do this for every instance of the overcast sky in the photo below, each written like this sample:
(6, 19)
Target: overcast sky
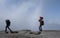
(24, 14)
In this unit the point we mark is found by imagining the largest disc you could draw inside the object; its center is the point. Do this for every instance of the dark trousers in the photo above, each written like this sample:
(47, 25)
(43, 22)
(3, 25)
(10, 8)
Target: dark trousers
(8, 28)
(40, 28)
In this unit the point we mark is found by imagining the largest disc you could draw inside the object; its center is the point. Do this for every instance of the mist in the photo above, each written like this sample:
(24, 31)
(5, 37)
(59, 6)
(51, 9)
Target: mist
(23, 14)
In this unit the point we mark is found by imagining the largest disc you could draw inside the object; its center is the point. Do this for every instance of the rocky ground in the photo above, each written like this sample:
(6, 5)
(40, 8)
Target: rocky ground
(28, 34)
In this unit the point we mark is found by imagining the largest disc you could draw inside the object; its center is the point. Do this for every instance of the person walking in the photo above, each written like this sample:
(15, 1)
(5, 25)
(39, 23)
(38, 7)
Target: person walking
(41, 23)
(7, 25)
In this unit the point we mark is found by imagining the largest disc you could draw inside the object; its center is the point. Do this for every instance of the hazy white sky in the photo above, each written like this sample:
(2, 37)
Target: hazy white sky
(24, 14)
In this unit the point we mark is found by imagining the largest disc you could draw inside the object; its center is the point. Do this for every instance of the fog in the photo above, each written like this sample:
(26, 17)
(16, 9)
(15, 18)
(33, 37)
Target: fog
(23, 14)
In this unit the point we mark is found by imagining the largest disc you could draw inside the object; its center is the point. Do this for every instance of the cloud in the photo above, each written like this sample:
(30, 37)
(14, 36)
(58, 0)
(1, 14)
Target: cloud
(23, 15)
(2, 1)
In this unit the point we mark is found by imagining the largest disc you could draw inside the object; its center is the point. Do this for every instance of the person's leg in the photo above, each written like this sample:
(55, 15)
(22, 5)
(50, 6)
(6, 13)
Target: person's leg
(6, 29)
(40, 28)
(12, 31)
(9, 29)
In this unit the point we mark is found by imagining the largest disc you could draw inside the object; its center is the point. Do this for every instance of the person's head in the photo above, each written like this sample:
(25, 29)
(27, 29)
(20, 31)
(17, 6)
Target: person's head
(41, 17)
(7, 20)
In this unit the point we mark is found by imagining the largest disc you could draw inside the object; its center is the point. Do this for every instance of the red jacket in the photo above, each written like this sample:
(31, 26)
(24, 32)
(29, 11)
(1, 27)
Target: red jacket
(41, 22)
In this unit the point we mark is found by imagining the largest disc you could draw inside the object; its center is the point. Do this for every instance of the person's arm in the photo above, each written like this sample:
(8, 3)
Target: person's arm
(39, 20)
